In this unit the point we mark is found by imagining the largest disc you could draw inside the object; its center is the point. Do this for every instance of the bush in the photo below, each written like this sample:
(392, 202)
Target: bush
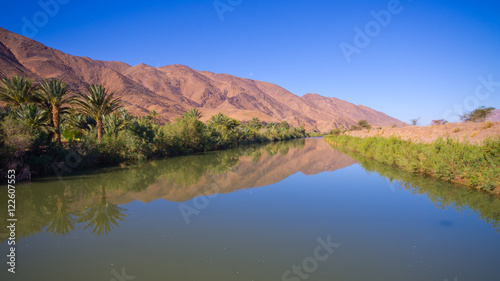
(478, 115)
(487, 125)
(335, 132)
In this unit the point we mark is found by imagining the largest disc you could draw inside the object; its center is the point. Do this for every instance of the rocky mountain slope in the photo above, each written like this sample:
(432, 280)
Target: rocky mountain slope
(173, 89)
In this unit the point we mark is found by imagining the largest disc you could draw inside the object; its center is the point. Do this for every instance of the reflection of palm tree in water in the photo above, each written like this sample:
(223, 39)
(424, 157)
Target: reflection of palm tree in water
(62, 222)
(102, 215)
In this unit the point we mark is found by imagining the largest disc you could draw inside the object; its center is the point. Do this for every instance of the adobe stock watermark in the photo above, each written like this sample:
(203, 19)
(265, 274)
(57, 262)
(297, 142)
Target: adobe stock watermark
(221, 7)
(121, 276)
(199, 203)
(73, 160)
(484, 89)
(363, 37)
(310, 264)
(49, 9)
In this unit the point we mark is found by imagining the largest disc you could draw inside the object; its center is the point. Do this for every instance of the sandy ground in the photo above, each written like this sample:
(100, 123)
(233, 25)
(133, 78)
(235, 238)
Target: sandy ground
(471, 132)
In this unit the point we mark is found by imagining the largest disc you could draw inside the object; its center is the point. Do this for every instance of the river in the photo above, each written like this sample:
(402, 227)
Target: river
(294, 210)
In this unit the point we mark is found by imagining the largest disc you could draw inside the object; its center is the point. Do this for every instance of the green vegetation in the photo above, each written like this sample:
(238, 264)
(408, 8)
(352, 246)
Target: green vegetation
(316, 134)
(45, 126)
(476, 166)
(478, 115)
(59, 207)
(438, 122)
(335, 132)
(362, 124)
(52, 96)
(97, 104)
(443, 194)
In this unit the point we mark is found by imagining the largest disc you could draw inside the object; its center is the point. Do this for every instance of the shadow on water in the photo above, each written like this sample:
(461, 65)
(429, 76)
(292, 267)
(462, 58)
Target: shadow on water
(97, 201)
(442, 194)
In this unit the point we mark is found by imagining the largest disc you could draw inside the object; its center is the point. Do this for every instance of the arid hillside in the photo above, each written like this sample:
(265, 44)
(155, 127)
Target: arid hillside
(495, 116)
(470, 132)
(173, 89)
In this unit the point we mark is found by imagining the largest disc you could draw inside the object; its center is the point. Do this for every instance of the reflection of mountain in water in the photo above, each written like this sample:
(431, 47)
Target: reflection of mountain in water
(57, 207)
(271, 164)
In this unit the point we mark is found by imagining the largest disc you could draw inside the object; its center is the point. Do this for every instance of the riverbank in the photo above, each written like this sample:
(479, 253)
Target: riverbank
(440, 193)
(60, 160)
(473, 165)
(33, 154)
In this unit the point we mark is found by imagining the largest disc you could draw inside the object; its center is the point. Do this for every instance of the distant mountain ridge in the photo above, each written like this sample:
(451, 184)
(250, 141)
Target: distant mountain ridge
(173, 89)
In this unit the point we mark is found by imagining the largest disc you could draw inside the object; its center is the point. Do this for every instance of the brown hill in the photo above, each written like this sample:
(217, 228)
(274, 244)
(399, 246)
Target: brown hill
(173, 89)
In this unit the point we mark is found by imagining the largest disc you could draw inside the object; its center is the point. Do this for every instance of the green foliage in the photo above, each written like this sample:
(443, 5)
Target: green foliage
(354, 128)
(438, 122)
(53, 96)
(17, 91)
(97, 103)
(441, 193)
(364, 124)
(33, 117)
(193, 113)
(222, 121)
(153, 114)
(16, 138)
(255, 123)
(77, 125)
(478, 115)
(477, 166)
(335, 132)
(284, 125)
(60, 207)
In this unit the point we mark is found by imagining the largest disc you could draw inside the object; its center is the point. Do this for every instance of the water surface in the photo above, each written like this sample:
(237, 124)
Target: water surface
(254, 213)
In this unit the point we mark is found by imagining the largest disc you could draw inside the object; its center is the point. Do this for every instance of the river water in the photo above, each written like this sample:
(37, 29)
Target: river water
(295, 210)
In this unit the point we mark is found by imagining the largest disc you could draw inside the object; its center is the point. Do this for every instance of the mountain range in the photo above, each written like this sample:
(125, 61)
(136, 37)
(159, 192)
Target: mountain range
(173, 89)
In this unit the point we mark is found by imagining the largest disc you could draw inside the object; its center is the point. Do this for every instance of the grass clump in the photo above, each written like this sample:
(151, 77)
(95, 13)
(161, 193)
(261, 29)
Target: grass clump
(487, 125)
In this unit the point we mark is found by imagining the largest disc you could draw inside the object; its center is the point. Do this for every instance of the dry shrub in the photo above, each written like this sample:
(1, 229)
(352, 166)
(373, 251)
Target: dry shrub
(487, 125)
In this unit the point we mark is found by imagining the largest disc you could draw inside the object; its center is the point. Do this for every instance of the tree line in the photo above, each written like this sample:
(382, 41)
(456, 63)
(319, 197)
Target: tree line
(43, 122)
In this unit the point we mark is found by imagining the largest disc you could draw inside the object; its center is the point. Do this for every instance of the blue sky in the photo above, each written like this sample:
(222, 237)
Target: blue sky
(424, 62)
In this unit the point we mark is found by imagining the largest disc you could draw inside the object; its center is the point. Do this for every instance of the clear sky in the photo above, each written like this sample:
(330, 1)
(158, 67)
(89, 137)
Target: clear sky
(424, 61)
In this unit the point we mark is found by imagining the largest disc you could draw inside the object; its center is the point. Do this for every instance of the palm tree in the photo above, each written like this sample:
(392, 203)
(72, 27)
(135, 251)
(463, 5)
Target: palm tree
(102, 215)
(17, 91)
(193, 113)
(255, 123)
(53, 94)
(153, 115)
(221, 120)
(34, 117)
(114, 124)
(61, 222)
(97, 104)
(79, 122)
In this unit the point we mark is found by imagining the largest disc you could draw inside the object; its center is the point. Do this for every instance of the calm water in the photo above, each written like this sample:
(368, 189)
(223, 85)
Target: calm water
(297, 210)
